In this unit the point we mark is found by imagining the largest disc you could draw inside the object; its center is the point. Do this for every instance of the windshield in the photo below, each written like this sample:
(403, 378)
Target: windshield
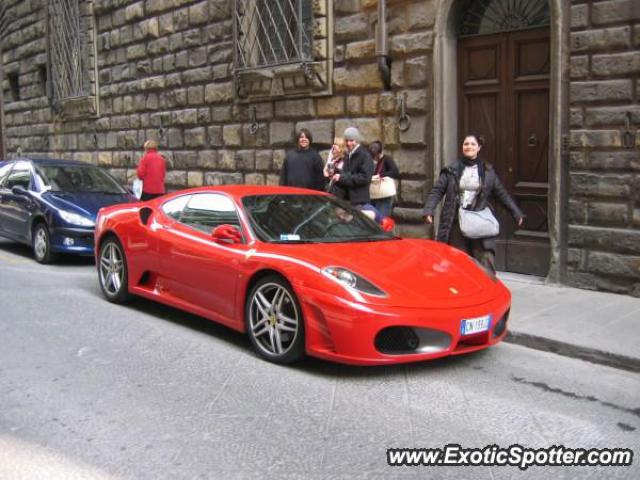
(309, 219)
(78, 178)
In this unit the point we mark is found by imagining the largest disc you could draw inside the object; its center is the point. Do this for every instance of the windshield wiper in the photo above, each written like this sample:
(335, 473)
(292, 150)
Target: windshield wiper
(291, 241)
(367, 239)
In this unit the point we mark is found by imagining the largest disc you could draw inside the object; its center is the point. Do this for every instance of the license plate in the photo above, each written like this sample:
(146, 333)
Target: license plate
(470, 326)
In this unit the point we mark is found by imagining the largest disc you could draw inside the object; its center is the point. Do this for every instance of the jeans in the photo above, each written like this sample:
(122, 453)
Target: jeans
(149, 196)
(384, 206)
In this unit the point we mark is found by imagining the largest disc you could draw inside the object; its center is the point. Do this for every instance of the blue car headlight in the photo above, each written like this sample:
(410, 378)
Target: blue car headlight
(76, 219)
(352, 280)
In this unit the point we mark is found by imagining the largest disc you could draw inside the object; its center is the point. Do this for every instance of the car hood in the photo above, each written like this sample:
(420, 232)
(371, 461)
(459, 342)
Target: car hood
(414, 273)
(85, 203)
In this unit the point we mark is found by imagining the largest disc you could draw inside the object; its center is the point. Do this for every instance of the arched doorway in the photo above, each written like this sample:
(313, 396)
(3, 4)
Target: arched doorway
(497, 68)
(503, 94)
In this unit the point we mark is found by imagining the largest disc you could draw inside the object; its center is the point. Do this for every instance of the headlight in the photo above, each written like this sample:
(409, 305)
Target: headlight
(352, 280)
(75, 219)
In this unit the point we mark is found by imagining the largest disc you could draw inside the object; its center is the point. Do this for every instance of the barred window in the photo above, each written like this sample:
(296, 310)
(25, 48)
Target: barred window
(71, 58)
(283, 48)
(273, 32)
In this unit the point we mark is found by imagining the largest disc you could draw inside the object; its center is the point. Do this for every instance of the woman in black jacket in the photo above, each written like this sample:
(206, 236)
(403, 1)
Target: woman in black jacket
(355, 176)
(468, 183)
(384, 166)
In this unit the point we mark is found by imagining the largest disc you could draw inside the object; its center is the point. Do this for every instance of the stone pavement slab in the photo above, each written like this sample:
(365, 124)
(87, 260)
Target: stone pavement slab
(596, 326)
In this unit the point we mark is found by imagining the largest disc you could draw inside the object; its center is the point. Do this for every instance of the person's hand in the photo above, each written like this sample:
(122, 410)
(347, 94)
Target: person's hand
(336, 177)
(521, 221)
(429, 219)
(375, 178)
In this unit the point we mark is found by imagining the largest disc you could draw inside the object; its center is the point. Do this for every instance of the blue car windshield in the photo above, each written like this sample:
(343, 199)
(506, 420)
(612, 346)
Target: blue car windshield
(77, 179)
(309, 219)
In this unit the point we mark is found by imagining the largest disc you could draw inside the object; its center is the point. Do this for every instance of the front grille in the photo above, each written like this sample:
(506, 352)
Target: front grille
(397, 340)
(407, 340)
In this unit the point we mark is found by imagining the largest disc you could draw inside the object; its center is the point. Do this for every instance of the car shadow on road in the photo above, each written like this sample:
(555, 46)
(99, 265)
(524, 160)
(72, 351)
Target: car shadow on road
(309, 365)
(26, 252)
(187, 320)
(355, 372)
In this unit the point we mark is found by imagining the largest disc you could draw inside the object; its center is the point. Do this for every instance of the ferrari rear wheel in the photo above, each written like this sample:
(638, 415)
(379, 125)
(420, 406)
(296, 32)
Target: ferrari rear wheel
(274, 321)
(112, 271)
(42, 244)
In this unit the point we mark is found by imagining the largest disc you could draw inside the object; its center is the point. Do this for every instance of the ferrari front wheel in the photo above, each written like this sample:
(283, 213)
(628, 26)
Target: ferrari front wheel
(112, 271)
(274, 321)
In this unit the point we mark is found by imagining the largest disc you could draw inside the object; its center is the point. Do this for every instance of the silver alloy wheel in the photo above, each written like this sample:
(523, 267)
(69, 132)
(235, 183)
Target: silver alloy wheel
(274, 320)
(111, 269)
(40, 243)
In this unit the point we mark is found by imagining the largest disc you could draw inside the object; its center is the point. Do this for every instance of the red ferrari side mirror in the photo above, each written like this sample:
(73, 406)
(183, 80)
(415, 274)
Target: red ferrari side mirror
(388, 224)
(226, 233)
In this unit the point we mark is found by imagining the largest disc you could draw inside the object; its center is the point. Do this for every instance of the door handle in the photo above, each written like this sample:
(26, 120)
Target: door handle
(532, 141)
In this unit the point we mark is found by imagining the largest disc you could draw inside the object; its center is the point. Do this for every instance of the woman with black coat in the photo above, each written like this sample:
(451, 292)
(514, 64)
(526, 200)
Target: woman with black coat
(384, 166)
(468, 183)
(355, 176)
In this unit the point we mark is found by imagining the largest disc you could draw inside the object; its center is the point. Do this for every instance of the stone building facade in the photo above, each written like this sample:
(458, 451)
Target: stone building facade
(173, 70)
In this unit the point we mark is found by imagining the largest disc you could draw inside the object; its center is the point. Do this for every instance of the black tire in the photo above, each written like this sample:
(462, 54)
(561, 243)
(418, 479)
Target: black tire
(41, 243)
(112, 271)
(274, 321)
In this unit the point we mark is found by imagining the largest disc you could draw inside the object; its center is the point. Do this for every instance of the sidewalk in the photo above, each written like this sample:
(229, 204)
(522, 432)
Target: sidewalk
(594, 326)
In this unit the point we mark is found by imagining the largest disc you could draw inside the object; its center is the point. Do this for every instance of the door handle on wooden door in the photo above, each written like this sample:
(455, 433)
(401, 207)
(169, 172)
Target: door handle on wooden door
(532, 141)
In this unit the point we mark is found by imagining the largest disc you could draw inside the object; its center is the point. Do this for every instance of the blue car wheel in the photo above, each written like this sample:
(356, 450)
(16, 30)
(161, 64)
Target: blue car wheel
(42, 244)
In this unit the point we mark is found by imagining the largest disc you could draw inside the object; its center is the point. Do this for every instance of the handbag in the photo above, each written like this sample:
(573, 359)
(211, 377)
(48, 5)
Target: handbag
(137, 188)
(382, 187)
(478, 224)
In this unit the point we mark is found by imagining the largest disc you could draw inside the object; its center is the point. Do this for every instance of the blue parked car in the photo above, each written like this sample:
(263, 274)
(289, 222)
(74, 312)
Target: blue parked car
(52, 204)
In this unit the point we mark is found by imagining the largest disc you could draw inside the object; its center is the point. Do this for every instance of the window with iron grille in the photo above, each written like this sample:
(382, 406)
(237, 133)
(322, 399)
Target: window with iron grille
(71, 40)
(286, 38)
(273, 32)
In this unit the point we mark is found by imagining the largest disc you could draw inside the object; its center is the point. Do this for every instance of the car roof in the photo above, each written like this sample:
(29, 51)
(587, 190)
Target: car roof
(249, 190)
(50, 161)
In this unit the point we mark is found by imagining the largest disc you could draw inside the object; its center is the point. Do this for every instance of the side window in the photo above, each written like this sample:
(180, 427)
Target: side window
(20, 175)
(173, 208)
(283, 48)
(72, 52)
(206, 211)
(4, 171)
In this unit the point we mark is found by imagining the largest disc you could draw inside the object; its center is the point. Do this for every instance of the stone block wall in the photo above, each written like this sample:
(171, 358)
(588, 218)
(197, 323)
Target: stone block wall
(604, 178)
(165, 70)
(28, 116)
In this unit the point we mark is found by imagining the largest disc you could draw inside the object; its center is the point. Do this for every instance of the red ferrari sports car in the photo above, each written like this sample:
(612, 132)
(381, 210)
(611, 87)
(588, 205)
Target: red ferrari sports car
(300, 272)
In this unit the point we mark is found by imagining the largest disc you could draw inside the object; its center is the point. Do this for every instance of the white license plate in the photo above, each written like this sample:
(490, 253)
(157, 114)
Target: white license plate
(470, 326)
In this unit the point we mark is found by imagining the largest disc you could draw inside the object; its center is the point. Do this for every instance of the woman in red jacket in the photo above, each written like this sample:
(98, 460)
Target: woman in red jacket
(151, 171)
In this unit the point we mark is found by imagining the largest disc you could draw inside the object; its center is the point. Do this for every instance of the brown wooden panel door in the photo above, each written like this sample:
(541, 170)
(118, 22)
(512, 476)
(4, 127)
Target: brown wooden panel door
(504, 95)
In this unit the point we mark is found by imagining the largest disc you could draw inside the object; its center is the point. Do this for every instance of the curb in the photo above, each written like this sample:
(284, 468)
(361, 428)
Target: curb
(592, 355)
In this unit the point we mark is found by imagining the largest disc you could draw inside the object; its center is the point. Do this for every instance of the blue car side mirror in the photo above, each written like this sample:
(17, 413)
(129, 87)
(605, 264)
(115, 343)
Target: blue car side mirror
(19, 190)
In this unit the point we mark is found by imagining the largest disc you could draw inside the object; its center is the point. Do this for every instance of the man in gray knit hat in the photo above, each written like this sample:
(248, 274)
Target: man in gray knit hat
(355, 176)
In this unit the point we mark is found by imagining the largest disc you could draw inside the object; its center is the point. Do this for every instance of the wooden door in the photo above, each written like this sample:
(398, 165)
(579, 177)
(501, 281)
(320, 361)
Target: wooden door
(503, 91)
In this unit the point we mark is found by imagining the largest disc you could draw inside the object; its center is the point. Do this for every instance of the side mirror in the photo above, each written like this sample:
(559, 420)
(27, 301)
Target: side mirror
(227, 234)
(388, 224)
(19, 190)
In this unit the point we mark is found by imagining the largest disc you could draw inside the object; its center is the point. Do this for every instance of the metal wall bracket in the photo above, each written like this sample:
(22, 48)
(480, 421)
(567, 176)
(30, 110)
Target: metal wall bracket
(253, 129)
(404, 120)
(628, 137)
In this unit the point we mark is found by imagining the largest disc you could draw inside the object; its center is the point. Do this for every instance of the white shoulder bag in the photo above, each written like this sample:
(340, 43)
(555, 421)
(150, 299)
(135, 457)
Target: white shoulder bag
(137, 188)
(478, 224)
